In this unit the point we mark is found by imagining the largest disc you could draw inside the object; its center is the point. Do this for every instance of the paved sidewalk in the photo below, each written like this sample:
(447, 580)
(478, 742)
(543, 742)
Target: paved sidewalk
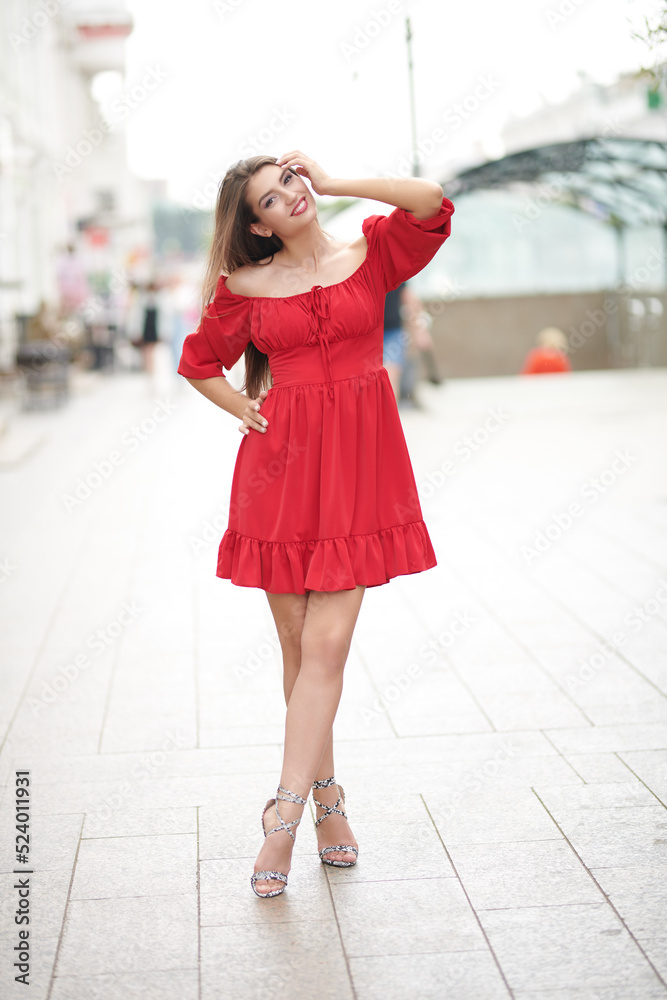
(502, 737)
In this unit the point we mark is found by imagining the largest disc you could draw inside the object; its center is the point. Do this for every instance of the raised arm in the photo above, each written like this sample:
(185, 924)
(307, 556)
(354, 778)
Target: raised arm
(415, 194)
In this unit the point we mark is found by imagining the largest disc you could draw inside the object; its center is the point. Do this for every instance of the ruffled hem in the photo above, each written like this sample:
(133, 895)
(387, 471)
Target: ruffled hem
(328, 564)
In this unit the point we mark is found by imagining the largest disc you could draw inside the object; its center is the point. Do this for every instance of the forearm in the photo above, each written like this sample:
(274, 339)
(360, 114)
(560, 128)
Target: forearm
(415, 194)
(222, 393)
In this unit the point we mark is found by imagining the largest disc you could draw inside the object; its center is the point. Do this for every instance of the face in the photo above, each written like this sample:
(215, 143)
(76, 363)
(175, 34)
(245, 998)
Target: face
(273, 194)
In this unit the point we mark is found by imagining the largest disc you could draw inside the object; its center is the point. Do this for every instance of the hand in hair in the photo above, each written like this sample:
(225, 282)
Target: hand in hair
(318, 177)
(251, 416)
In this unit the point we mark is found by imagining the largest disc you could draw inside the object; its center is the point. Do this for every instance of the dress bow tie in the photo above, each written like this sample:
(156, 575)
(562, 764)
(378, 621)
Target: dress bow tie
(320, 310)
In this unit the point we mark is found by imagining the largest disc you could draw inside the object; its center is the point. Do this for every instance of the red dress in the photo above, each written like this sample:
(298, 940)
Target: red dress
(325, 498)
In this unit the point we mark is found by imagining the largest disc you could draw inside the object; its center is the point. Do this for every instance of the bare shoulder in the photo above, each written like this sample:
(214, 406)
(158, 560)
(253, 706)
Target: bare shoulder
(360, 245)
(247, 280)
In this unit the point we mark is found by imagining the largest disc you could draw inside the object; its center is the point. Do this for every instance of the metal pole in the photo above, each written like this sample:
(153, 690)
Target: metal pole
(408, 38)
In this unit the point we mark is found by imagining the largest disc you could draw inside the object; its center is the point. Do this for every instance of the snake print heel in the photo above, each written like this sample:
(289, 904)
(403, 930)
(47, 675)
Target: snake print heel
(279, 876)
(328, 810)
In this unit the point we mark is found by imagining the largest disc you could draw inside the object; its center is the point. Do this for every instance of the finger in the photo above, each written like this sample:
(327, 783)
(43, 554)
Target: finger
(255, 421)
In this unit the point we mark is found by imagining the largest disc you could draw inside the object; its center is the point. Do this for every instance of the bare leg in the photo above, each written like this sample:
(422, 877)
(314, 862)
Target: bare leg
(314, 658)
(289, 612)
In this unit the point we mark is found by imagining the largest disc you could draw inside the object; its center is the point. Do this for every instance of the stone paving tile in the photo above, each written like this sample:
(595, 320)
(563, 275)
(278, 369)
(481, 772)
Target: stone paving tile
(601, 795)
(227, 896)
(410, 917)
(48, 901)
(150, 933)
(651, 768)
(640, 712)
(176, 984)
(166, 759)
(43, 952)
(624, 991)
(395, 849)
(615, 836)
(500, 769)
(639, 895)
(53, 839)
(579, 947)
(413, 751)
(141, 822)
(162, 865)
(620, 738)
(274, 959)
(532, 710)
(530, 873)
(655, 947)
(517, 676)
(456, 975)
(599, 767)
(489, 817)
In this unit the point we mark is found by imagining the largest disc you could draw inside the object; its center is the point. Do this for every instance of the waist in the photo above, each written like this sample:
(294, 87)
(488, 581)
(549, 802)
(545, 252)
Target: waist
(304, 365)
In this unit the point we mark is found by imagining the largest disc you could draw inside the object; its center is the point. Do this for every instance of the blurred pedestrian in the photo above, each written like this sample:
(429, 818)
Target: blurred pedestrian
(549, 355)
(72, 281)
(395, 337)
(145, 321)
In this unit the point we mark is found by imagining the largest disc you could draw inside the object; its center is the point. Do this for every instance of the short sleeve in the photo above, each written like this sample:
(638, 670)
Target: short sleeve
(400, 246)
(221, 337)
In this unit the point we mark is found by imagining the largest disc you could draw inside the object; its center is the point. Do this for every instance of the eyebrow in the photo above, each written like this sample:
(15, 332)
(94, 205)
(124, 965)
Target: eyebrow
(285, 171)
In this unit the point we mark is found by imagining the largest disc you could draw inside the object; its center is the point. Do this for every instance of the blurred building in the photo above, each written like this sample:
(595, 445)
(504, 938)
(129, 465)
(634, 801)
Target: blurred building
(632, 108)
(63, 171)
(568, 228)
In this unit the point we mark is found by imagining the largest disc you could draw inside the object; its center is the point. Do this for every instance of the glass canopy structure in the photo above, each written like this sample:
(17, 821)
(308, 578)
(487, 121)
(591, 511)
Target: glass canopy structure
(621, 181)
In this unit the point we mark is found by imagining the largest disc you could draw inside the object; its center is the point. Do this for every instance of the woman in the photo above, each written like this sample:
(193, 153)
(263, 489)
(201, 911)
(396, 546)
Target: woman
(323, 501)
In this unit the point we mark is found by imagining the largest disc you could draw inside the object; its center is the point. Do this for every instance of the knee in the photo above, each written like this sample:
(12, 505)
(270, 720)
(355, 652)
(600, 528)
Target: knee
(326, 654)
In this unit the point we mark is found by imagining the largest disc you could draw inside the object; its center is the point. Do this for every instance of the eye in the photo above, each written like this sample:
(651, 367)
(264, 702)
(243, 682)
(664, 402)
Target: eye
(287, 177)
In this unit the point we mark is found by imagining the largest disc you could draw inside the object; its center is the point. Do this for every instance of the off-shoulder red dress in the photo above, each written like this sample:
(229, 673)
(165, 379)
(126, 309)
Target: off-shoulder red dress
(325, 498)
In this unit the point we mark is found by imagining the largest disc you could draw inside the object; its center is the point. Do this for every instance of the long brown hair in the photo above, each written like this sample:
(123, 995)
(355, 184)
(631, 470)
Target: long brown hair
(234, 245)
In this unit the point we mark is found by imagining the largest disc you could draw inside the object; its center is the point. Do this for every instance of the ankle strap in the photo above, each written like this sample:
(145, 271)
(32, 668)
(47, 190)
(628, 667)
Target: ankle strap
(325, 783)
(293, 796)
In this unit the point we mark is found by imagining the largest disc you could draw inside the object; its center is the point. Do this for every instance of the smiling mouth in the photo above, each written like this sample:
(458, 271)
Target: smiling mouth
(297, 210)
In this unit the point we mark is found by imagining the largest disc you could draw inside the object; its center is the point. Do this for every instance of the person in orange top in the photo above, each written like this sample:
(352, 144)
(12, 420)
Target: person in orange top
(549, 355)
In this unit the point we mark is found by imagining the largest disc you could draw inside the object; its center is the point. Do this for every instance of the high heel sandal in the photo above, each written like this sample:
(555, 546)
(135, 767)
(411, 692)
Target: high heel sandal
(279, 876)
(328, 810)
